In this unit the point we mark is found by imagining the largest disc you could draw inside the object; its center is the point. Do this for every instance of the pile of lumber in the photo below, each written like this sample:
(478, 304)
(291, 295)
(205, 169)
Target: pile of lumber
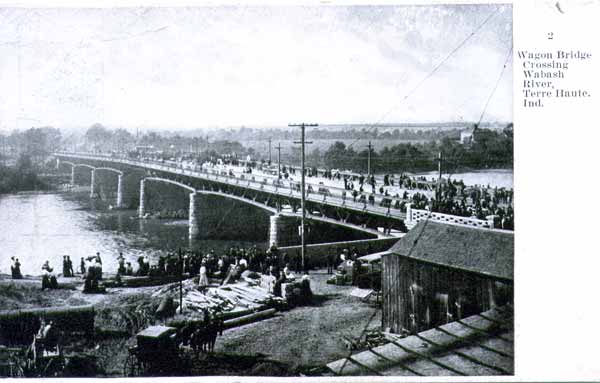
(234, 297)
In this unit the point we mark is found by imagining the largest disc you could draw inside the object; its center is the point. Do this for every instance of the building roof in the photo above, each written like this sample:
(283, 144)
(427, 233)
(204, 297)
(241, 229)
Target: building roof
(483, 251)
(480, 345)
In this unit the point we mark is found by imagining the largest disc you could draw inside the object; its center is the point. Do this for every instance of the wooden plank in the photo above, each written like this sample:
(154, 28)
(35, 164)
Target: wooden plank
(364, 366)
(472, 369)
(346, 367)
(467, 356)
(385, 354)
(400, 370)
(427, 368)
(490, 358)
(483, 331)
(427, 357)
(475, 343)
(500, 344)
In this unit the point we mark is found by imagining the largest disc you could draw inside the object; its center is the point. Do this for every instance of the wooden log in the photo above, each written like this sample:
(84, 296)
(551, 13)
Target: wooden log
(227, 315)
(144, 281)
(249, 318)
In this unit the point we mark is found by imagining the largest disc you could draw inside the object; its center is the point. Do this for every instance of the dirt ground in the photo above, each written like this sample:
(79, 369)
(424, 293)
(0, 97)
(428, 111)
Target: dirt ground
(300, 338)
(307, 335)
(27, 293)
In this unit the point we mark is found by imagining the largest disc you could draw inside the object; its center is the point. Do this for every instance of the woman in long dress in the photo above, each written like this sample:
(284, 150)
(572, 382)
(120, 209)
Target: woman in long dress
(203, 280)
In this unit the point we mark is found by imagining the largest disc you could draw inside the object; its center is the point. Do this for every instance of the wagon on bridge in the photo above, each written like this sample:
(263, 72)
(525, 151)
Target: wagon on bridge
(323, 190)
(277, 182)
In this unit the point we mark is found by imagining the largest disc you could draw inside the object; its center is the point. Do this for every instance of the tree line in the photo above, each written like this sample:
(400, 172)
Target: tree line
(489, 149)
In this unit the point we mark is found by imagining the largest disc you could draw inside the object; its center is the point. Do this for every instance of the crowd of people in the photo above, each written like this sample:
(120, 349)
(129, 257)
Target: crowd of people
(224, 267)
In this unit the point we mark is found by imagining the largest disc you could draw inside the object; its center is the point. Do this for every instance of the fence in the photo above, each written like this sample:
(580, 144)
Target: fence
(415, 215)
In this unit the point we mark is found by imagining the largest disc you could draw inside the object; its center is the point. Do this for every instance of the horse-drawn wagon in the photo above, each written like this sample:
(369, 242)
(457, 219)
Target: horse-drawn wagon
(156, 352)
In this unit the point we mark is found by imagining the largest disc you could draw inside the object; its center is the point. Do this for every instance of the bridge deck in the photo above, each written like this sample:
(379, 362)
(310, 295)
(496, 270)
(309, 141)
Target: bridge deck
(259, 186)
(256, 185)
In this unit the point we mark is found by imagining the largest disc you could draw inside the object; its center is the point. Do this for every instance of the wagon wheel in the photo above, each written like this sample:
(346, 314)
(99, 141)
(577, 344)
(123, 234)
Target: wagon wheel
(132, 365)
(16, 367)
(54, 366)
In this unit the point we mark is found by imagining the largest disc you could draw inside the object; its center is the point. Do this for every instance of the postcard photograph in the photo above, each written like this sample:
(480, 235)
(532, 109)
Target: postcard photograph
(259, 190)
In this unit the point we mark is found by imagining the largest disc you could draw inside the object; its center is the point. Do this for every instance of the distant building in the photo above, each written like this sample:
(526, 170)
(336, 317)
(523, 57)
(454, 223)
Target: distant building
(441, 272)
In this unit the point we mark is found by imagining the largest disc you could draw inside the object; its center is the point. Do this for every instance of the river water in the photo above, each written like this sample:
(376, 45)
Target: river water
(40, 227)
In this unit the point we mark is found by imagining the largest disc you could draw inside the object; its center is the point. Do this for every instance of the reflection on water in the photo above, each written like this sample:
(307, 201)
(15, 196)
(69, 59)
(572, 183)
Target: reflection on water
(39, 227)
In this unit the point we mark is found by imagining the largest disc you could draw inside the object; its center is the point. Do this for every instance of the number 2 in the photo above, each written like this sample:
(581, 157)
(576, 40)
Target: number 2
(550, 35)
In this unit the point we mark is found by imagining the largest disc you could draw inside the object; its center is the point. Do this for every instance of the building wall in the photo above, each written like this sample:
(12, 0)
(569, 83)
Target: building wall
(418, 296)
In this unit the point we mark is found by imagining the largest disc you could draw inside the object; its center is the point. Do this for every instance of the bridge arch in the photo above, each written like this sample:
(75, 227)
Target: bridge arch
(248, 201)
(192, 219)
(119, 172)
(73, 166)
(84, 166)
(166, 180)
(119, 202)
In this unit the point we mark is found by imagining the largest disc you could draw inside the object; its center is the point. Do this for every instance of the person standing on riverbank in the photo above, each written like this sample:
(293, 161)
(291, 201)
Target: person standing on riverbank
(203, 279)
(121, 262)
(15, 268)
(82, 266)
(48, 277)
(67, 266)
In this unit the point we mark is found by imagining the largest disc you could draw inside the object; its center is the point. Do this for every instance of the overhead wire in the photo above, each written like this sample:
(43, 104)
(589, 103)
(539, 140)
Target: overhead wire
(431, 73)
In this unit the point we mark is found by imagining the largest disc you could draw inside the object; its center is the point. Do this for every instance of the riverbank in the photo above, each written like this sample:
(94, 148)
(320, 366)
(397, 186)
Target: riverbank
(297, 341)
(27, 293)
(24, 178)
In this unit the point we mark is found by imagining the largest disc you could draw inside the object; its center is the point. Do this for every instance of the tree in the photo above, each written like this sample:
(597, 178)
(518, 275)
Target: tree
(335, 156)
(122, 139)
(98, 136)
(39, 143)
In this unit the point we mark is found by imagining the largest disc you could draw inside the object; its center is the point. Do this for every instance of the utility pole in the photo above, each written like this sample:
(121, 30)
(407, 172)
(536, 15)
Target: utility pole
(439, 183)
(439, 167)
(369, 160)
(269, 151)
(278, 147)
(180, 284)
(303, 200)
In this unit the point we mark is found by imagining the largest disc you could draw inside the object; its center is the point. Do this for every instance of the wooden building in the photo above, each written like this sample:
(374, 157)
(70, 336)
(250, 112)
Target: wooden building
(442, 272)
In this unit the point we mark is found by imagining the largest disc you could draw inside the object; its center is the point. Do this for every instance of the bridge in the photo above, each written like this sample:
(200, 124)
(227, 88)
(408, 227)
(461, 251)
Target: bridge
(119, 202)
(275, 198)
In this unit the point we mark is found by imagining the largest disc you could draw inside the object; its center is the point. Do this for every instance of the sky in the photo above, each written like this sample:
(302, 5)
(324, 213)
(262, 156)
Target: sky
(225, 66)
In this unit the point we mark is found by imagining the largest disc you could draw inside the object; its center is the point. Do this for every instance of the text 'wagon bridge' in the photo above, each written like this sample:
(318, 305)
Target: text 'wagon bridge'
(278, 201)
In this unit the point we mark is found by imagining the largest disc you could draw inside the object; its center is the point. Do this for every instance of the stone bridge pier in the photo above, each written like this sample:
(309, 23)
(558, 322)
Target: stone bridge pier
(92, 182)
(120, 191)
(274, 226)
(283, 230)
(141, 210)
(193, 219)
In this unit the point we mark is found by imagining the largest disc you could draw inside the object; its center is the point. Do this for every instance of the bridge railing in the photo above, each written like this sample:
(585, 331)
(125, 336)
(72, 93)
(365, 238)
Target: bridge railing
(416, 215)
(253, 183)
